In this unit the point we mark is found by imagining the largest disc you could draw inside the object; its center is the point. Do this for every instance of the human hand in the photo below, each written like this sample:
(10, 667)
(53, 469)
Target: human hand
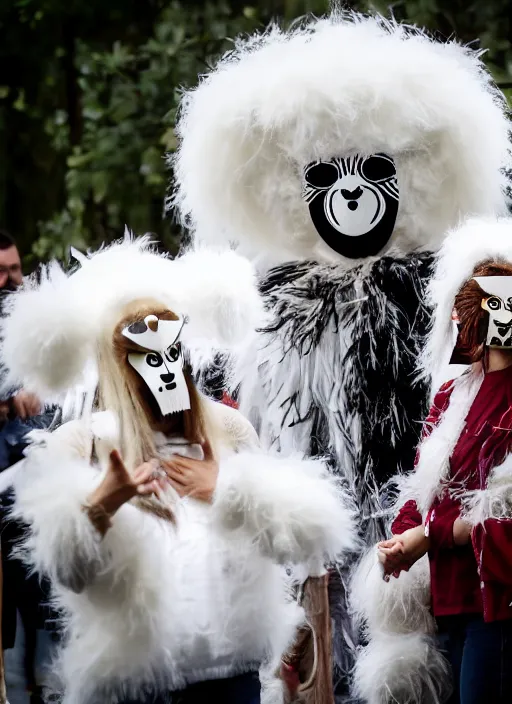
(26, 405)
(402, 551)
(461, 532)
(391, 556)
(291, 679)
(119, 486)
(195, 478)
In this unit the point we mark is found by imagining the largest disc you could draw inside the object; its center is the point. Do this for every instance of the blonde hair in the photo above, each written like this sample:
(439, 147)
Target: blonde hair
(122, 391)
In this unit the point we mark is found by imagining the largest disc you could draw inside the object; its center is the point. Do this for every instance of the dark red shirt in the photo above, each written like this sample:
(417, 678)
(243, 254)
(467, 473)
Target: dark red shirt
(455, 582)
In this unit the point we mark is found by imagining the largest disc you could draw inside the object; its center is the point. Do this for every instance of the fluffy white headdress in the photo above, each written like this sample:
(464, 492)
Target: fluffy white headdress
(475, 242)
(52, 326)
(330, 86)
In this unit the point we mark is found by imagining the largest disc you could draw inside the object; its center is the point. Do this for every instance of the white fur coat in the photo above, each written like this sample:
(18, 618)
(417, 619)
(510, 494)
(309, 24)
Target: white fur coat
(155, 607)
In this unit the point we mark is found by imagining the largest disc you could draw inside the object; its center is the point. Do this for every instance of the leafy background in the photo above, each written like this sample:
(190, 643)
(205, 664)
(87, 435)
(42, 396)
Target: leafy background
(89, 91)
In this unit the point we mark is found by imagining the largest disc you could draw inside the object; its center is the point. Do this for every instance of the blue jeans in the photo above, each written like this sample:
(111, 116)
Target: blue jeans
(480, 655)
(243, 689)
(15, 676)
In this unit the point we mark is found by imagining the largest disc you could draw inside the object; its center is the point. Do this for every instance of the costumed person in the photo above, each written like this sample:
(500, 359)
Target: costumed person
(26, 630)
(162, 527)
(456, 505)
(336, 155)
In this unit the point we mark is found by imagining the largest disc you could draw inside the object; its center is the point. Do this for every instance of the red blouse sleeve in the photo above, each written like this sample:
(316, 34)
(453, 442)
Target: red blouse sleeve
(439, 406)
(408, 517)
(492, 544)
(440, 520)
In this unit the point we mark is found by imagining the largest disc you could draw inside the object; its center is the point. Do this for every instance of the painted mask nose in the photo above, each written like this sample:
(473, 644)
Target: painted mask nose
(352, 195)
(168, 380)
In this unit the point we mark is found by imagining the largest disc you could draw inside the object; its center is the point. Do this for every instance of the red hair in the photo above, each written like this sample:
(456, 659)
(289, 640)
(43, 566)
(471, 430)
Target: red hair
(473, 320)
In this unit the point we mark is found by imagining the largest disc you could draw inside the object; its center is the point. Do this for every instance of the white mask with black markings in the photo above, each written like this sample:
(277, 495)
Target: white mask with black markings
(353, 202)
(498, 304)
(161, 365)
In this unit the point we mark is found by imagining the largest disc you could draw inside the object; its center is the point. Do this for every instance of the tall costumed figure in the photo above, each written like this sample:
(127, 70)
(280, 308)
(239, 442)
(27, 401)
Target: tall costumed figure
(336, 155)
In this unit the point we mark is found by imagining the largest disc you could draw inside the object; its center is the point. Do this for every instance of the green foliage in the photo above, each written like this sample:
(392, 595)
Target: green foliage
(89, 93)
(128, 98)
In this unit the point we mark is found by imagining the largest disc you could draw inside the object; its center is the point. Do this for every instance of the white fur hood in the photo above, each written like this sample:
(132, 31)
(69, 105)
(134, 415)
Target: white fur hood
(476, 241)
(328, 87)
(153, 606)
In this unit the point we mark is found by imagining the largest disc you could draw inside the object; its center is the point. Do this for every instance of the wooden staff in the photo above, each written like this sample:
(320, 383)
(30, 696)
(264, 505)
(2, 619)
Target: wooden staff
(312, 655)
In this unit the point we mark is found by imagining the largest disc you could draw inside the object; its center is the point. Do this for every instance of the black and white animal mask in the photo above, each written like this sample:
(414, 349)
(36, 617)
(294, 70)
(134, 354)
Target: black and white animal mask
(353, 202)
(161, 365)
(498, 304)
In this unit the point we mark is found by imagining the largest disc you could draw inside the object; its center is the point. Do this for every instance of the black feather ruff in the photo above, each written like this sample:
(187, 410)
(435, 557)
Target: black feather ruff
(382, 305)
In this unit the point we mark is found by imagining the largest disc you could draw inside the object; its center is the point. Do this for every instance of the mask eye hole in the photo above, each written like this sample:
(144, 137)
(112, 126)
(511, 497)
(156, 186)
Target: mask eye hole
(378, 168)
(153, 359)
(493, 303)
(138, 327)
(173, 352)
(321, 175)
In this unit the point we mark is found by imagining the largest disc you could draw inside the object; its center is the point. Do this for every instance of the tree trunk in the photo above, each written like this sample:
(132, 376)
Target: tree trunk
(73, 102)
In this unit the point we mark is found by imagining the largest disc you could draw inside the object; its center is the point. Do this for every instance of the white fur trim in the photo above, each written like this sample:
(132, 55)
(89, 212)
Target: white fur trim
(325, 88)
(272, 687)
(495, 501)
(219, 291)
(476, 241)
(51, 329)
(42, 324)
(425, 482)
(401, 605)
(238, 428)
(63, 542)
(402, 668)
(293, 508)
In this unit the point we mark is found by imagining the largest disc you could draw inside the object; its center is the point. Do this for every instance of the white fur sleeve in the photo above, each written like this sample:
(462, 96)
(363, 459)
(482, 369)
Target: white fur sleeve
(51, 487)
(293, 508)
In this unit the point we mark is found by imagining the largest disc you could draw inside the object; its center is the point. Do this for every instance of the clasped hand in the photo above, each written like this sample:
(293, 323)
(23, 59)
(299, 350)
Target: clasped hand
(189, 477)
(401, 552)
(194, 478)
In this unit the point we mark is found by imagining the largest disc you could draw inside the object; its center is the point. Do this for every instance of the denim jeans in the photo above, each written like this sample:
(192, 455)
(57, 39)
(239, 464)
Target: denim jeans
(480, 655)
(15, 677)
(243, 689)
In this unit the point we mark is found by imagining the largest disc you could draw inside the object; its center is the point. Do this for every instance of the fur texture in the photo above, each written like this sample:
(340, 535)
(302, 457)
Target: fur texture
(52, 328)
(399, 606)
(367, 325)
(136, 619)
(325, 88)
(495, 501)
(433, 467)
(474, 242)
(294, 511)
(402, 668)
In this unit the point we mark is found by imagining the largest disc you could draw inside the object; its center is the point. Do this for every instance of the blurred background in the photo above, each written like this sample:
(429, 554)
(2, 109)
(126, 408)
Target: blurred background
(88, 97)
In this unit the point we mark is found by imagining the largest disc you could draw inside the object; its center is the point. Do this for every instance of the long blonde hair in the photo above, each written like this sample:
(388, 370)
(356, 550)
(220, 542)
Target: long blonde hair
(122, 391)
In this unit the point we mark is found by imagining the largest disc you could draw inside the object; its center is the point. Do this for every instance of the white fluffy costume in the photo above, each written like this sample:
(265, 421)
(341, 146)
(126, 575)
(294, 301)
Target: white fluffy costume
(156, 605)
(410, 136)
(401, 662)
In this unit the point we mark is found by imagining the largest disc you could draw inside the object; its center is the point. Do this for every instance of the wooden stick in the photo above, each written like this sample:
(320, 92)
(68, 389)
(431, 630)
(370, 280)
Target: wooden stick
(311, 655)
(319, 687)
